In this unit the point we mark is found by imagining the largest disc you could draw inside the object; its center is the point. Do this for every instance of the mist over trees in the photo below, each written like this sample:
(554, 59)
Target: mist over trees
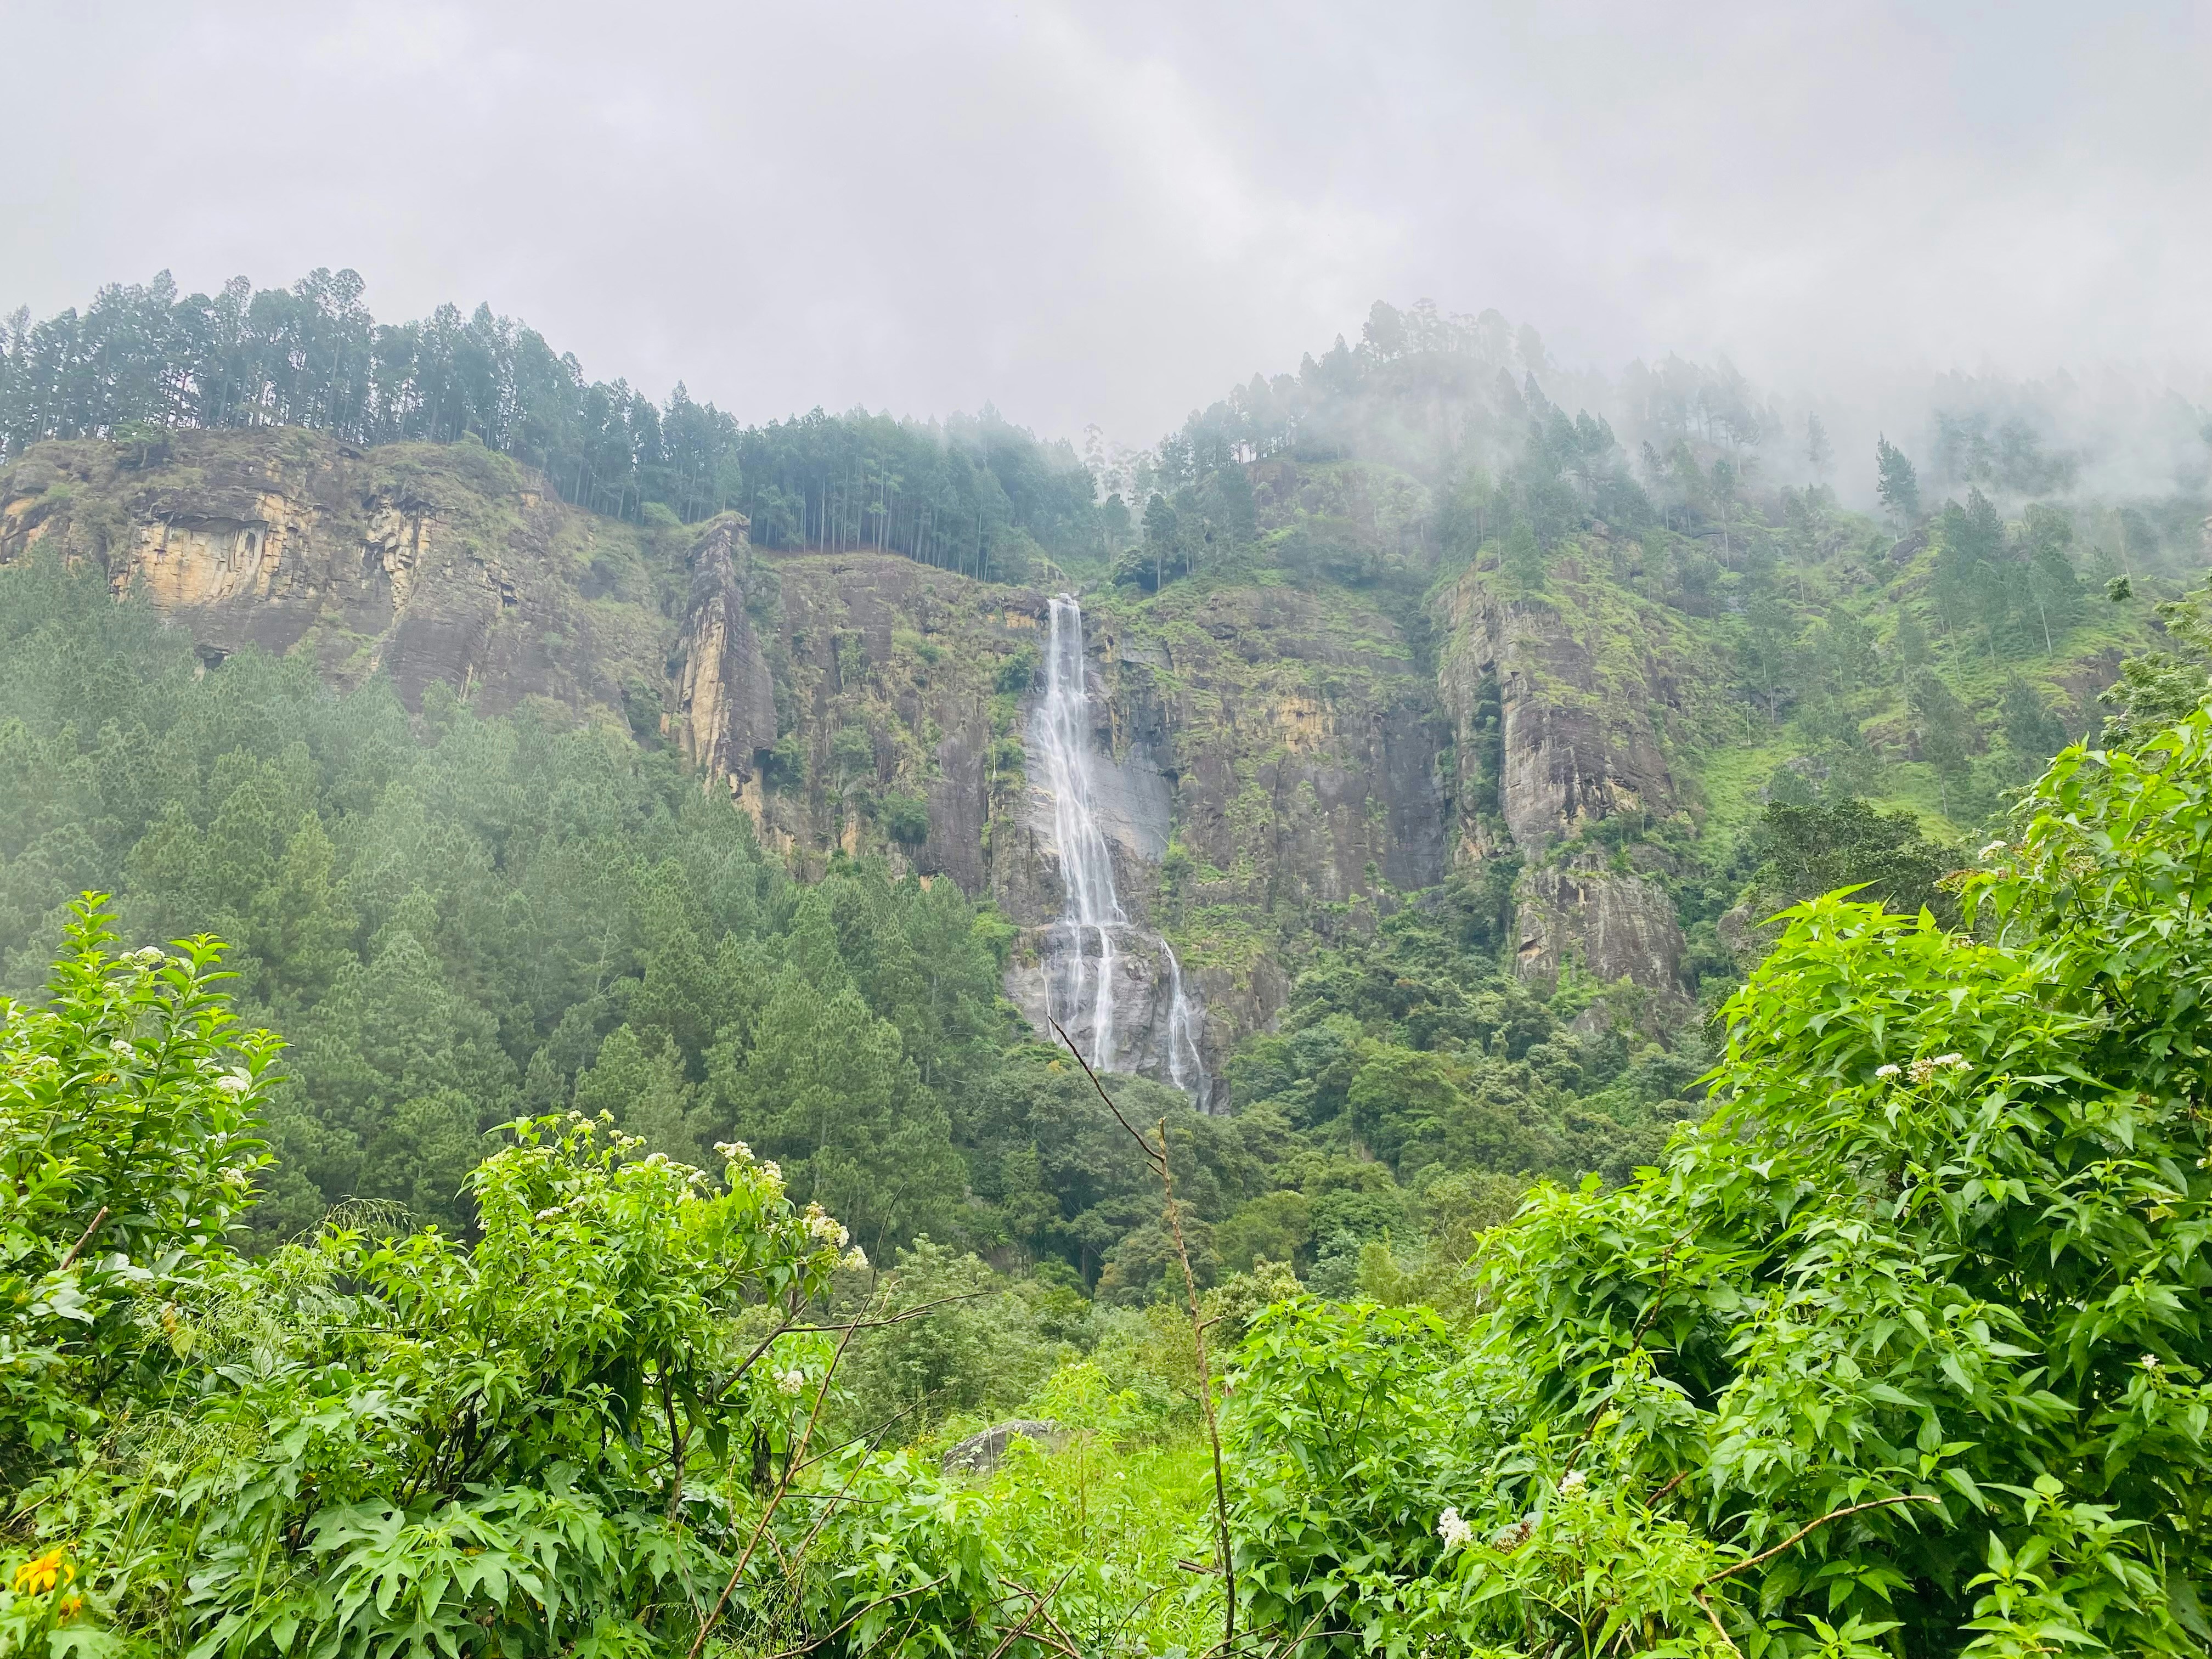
(1844, 1303)
(973, 493)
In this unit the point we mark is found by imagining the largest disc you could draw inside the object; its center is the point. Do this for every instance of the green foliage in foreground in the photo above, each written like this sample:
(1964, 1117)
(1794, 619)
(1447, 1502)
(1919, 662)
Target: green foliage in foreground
(1903, 1350)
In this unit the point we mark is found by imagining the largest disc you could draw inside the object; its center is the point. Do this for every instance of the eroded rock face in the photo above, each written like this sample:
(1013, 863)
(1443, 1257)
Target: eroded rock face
(725, 711)
(1563, 736)
(1302, 745)
(1615, 924)
(1268, 756)
(428, 564)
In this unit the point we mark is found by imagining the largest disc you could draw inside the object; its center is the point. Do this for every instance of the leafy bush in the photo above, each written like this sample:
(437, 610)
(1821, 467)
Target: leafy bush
(1018, 670)
(905, 817)
(1905, 1348)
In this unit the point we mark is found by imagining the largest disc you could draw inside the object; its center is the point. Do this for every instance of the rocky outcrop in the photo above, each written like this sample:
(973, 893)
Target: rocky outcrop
(884, 677)
(1271, 753)
(1301, 734)
(1554, 716)
(725, 709)
(1297, 734)
(1614, 924)
(981, 1453)
(427, 563)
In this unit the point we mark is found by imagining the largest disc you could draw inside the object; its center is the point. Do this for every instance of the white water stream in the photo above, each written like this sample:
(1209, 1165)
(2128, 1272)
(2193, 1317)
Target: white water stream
(1093, 938)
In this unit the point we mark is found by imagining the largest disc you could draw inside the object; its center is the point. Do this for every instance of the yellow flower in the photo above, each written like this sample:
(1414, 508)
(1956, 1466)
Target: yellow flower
(37, 1578)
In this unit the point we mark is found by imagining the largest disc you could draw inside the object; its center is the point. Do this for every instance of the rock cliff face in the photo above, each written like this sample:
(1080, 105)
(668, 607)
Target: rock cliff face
(1554, 712)
(426, 563)
(724, 699)
(1275, 757)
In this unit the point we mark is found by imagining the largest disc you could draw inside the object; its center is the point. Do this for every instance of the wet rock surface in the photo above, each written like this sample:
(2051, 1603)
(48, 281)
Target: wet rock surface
(1274, 759)
(427, 563)
(1560, 733)
(981, 1453)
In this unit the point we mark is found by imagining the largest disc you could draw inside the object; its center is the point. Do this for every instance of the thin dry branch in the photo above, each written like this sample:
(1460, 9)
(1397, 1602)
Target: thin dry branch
(853, 1618)
(1161, 1166)
(1813, 1526)
(70, 1260)
(775, 1499)
(1036, 1606)
(1719, 1629)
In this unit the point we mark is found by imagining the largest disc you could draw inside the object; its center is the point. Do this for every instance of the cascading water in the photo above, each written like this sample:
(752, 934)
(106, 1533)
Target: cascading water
(1093, 934)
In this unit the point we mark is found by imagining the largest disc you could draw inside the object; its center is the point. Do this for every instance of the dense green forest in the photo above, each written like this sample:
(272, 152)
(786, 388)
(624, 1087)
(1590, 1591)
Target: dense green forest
(554, 1221)
(1902, 1350)
(973, 493)
(454, 920)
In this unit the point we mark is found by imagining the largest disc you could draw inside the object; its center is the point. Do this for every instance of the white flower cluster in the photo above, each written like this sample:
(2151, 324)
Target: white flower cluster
(1924, 1068)
(1454, 1531)
(824, 1227)
(856, 1258)
(124, 1052)
(733, 1152)
(234, 1083)
(791, 1381)
(1573, 1482)
(1991, 851)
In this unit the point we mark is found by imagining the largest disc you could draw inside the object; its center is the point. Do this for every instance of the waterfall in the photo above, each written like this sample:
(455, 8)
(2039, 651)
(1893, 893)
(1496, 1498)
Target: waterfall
(1093, 933)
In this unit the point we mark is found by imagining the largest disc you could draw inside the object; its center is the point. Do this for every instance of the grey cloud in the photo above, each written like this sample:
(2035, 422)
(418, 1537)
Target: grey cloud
(1111, 213)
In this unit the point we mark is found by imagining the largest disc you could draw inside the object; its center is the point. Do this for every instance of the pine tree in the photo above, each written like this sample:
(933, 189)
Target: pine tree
(1897, 484)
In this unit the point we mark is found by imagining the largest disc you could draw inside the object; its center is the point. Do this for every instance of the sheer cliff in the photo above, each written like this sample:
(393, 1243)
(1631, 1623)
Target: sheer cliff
(1291, 736)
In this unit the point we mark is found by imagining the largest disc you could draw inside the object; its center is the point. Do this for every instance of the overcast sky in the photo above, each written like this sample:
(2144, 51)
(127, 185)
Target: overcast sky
(1109, 213)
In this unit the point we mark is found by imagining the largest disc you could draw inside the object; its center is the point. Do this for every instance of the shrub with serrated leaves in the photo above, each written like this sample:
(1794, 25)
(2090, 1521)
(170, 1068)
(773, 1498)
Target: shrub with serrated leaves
(550, 1439)
(1904, 1350)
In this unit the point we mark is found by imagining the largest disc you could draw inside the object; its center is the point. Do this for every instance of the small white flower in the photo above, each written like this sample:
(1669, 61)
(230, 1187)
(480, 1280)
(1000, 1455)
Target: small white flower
(1993, 849)
(1956, 1062)
(1573, 1482)
(1453, 1530)
(2150, 1362)
(856, 1257)
(824, 1227)
(733, 1152)
(1921, 1070)
(124, 1052)
(791, 1381)
(234, 1083)
(772, 1171)
(1887, 1071)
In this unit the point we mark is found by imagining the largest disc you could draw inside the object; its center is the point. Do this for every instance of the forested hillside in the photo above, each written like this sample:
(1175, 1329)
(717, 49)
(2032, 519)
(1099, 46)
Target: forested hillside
(591, 793)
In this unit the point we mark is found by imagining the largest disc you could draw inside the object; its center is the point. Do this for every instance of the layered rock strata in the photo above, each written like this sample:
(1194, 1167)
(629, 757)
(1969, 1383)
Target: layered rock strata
(1556, 737)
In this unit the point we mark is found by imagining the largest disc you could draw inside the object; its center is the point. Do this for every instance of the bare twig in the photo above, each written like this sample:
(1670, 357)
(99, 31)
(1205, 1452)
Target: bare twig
(1036, 1606)
(853, 1618)
(1064, 1643)
(1158, 1158)
(891, 1319)
(1719, 1629)
(791, 1327)
(1814, 1526)
(1152, 1155)
(70, 1260)
(776, 1500)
